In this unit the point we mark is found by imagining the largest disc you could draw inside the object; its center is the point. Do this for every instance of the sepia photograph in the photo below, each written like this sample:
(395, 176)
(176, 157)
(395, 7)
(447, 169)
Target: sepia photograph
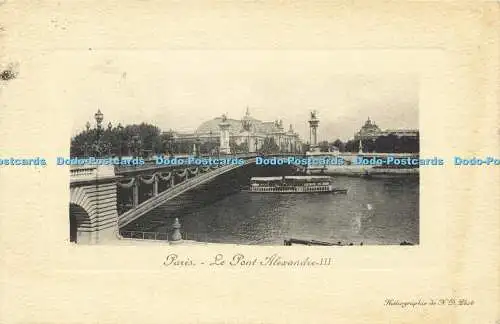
(278, 150)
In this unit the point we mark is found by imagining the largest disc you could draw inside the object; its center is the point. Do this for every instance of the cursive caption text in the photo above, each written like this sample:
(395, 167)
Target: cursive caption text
(241, 260)
(439, 302)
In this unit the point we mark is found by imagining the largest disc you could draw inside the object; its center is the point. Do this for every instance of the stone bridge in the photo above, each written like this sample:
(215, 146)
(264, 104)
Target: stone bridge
(97, 213)
(106, 199)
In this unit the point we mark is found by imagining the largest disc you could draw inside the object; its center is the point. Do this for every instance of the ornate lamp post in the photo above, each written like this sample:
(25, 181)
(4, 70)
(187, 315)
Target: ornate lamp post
(171, 145)
(85, 149)
(165, 147)
(109, 143)
(198, 146)
(211, 144)
(120, 140)
(98, 117)
(109, 148)
(97, 145)
(136, 144)
(139, 146)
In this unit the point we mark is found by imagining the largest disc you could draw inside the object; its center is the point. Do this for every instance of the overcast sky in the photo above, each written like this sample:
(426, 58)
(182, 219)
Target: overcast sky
(181, 89)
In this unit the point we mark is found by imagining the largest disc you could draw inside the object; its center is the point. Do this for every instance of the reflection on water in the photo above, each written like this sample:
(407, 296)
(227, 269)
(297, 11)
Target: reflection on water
(375, 211)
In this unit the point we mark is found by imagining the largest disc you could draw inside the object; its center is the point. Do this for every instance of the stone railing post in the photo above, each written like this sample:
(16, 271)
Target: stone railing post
(176, 235)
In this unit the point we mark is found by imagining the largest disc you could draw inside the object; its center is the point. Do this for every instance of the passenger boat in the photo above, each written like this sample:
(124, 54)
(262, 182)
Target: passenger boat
(294, 184)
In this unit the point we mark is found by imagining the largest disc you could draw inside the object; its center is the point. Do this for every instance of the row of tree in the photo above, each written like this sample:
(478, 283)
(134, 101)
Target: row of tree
(383, 144)
(137, 139)
(145, 140)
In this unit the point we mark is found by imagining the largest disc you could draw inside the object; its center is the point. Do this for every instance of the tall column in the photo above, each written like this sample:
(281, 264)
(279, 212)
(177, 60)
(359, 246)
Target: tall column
(224, 136)
(313, 126)
(251, 144)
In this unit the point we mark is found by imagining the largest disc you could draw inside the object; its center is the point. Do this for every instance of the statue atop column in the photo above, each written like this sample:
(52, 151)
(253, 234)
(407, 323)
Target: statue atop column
(246, 121)
(224, 136)
(313, 128)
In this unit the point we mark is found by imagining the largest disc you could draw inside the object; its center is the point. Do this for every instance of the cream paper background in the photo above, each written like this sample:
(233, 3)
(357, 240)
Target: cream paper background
(452, 45)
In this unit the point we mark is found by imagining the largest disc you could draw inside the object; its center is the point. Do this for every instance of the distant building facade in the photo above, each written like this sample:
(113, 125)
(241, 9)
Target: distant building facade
(370, 131)
(248, 134)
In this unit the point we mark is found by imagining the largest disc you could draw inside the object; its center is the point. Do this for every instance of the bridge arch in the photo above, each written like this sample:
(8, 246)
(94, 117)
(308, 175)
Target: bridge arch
(81, 211)
(93, 214)
(78, 219)
(80, 197)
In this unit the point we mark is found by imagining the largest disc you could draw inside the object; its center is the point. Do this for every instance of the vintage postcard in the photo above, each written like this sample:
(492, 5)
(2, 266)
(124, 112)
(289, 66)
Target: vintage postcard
(249, 162)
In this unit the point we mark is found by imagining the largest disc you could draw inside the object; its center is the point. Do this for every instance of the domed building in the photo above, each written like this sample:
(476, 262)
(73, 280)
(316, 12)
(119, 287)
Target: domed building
(247, 134)
(371, 131)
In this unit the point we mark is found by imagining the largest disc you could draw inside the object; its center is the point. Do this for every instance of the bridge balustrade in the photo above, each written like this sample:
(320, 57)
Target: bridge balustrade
(150, 164)
(91, 172)
(83, 171)
(158, 236)
(162, 236)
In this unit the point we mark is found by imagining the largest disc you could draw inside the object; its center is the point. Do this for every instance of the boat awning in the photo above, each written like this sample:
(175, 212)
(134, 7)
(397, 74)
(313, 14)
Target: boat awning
(266, 178)
(308, 178)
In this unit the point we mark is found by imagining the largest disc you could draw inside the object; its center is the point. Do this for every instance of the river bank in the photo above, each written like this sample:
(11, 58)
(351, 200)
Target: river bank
(358, 170)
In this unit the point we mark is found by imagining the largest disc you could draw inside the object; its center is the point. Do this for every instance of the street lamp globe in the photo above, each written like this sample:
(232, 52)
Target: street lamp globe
(99, 117)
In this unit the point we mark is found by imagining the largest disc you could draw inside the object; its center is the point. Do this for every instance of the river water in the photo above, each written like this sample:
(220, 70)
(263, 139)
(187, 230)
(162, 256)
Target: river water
(374, 212)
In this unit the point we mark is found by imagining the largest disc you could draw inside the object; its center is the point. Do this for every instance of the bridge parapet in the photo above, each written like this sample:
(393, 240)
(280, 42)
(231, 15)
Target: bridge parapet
(91, 172)
(151, 165)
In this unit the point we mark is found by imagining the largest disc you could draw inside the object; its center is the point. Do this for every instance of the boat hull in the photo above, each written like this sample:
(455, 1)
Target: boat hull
(331, 191)
(293, 185)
